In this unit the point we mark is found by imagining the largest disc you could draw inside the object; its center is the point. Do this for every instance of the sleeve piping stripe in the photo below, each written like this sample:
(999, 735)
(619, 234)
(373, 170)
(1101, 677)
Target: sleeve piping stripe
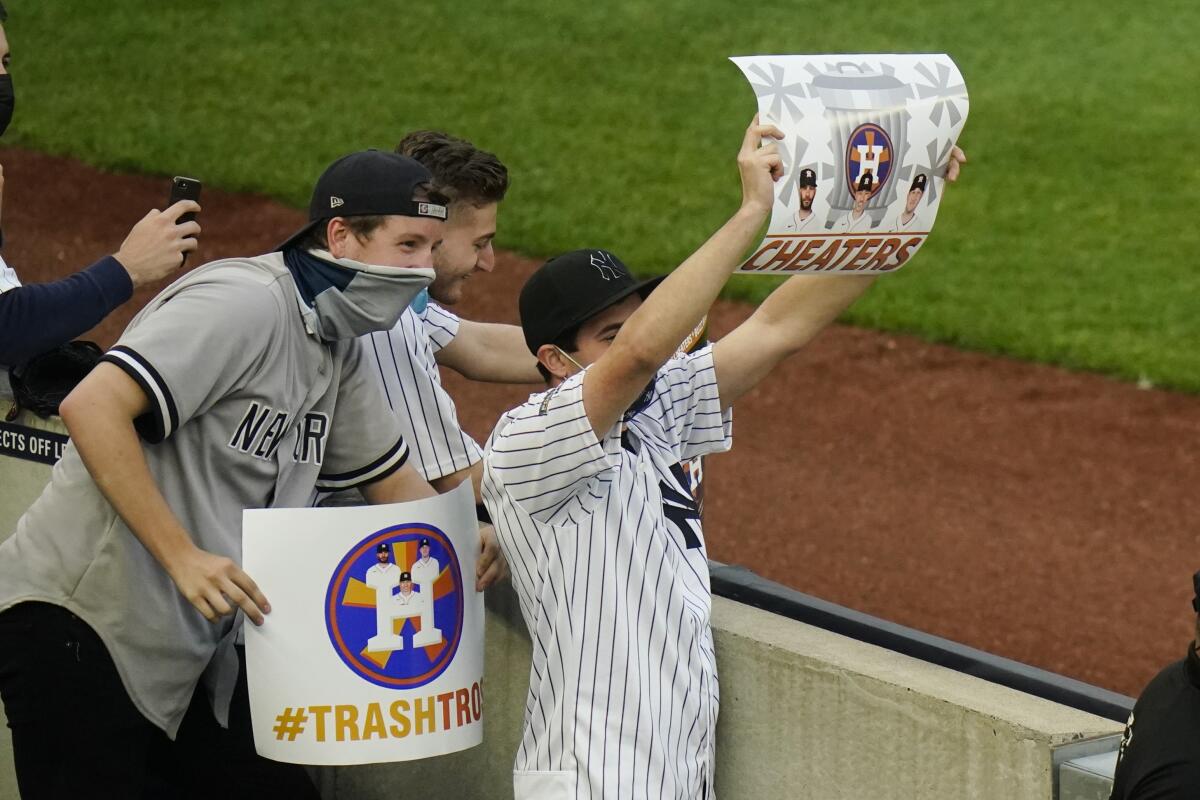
(389, 462)
(142, 371)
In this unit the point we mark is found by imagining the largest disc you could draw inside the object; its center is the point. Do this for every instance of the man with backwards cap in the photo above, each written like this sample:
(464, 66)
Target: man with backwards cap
(908, 219)
(806, 185)
(1160, 754)
(857, 219)
(584, 487)
(242, 385)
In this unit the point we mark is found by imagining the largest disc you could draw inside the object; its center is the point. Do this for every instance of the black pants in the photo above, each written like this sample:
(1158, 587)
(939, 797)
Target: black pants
(77, 734)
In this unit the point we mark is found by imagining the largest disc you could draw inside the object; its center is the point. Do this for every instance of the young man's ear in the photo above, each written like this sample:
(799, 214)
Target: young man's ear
(554, 361)
(336, 234)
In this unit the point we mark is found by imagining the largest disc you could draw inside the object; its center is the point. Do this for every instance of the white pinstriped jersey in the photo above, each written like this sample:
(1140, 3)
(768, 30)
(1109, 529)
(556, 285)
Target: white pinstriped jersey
(609, 563)
(404, 357)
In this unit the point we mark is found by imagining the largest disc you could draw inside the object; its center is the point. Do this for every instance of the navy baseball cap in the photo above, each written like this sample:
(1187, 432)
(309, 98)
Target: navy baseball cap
(808, 177)
(919, 182)
(572, 288)
(383, 548)
(865, 182)
(367, 183)
(405, 576)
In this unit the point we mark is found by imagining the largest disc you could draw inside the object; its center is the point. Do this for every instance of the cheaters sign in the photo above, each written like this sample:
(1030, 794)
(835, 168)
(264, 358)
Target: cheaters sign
(373, 650)
(867, 139)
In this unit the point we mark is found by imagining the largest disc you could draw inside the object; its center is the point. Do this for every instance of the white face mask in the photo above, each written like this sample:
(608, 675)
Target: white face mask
(344, 299)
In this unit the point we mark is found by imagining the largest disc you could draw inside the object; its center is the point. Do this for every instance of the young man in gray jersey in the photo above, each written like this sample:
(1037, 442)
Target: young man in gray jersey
(242, 385)
(584, 488)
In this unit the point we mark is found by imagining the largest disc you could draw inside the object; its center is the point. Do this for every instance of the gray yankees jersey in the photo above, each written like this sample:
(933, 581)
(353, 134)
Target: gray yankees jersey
(247, 410)
(404, 359)
(608, 560)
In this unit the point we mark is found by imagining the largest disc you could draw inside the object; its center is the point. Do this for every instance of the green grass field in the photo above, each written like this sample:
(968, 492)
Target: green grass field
(1071, 239)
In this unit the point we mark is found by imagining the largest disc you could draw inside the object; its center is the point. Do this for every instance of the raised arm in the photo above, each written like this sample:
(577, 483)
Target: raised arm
(490, 352)
(788, 319)
(99, 415)
(652, 333)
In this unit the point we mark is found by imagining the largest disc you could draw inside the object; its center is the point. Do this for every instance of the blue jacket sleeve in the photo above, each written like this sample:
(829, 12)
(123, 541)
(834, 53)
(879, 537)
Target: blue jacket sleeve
(41, 316)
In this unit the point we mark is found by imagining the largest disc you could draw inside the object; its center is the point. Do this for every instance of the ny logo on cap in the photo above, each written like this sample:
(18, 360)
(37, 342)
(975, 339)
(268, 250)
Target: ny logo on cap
(335, 201)
(604, 262)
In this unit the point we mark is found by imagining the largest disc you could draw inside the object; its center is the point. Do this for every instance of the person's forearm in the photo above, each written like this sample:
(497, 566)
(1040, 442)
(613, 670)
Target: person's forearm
(401, 486)
(490, 352)
(111, 451)
(38, 317)
(675, 307)
(788, 319)
(474, 473)
(802, 307)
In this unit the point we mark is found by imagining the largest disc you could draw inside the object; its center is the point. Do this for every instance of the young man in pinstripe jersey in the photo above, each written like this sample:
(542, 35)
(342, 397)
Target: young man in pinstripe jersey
(428, 336)
(583, 485)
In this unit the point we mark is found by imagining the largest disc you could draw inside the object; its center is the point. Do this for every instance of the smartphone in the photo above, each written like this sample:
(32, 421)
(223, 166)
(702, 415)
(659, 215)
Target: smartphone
(183, 188)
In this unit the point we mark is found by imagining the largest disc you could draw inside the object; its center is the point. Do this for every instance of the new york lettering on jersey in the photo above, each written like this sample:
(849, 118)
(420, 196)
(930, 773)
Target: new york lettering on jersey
(256, 437)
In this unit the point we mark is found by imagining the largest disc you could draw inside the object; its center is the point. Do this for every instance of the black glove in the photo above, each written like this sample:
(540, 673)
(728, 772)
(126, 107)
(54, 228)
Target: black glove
(41, 383)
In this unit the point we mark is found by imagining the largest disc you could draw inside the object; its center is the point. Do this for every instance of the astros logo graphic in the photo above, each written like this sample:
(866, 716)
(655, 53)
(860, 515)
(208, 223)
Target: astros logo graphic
(394, 607)
(869, 150)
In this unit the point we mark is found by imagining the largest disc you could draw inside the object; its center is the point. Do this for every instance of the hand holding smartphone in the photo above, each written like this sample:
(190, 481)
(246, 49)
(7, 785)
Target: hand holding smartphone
(183, 188)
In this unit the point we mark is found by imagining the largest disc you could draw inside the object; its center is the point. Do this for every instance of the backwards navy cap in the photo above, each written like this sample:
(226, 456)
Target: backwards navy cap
(368, 183)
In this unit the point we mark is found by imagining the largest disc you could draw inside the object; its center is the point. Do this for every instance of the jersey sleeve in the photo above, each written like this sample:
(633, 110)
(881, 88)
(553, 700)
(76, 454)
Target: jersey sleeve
(428, 418)
(440, 326)
(545, 456)
(195, 348)
(688, 405)
(365, 441)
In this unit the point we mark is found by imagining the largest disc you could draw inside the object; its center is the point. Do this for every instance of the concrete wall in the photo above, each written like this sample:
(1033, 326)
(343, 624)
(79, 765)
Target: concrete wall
(804, 713)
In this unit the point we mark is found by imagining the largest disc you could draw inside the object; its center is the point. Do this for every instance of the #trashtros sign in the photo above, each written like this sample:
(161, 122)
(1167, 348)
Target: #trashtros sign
(866, 142)
(373, 650)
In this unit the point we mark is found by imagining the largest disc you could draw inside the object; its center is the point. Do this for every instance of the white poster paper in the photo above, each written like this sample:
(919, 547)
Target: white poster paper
(867, 141)
(373, 650)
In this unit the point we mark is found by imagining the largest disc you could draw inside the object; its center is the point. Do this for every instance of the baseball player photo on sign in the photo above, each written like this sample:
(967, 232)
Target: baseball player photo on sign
(581, 482)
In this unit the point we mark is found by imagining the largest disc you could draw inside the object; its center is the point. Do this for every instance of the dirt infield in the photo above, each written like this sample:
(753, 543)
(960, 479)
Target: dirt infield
(1036, 513)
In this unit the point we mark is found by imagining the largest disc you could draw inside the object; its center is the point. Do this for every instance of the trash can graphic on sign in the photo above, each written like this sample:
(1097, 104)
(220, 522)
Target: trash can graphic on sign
(866, 110)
